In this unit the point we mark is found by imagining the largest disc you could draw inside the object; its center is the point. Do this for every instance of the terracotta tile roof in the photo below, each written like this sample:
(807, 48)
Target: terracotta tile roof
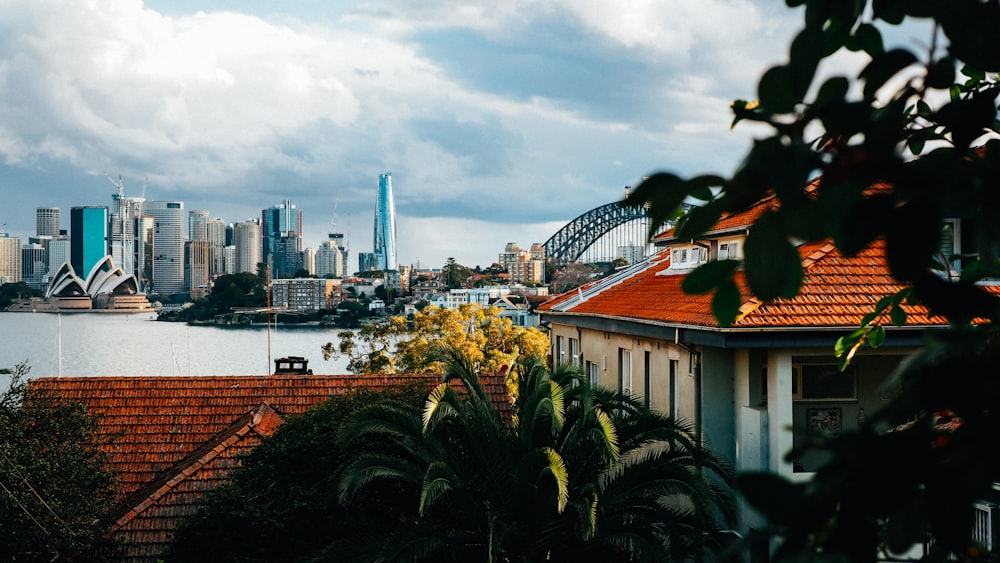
(836, 292)
(175, 438)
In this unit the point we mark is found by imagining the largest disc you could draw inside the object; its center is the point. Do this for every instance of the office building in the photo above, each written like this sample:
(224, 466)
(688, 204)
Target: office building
(125, 243)
(58, 253)
(309, 260)
(366, 261)
(47, 221)
(385, 225)
(88, 237)
(279, 222)
(197, 224)
(331, 257)
(33, 266)
(196, 264)
(10, 259)
(215, 230)
(247, 241)
(285, 256)
(168, 245)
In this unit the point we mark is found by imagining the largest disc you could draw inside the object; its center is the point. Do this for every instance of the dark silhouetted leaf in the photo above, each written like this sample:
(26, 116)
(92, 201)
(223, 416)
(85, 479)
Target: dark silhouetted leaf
(708, 276)
(883, 67)
(941, 75)
(776, 90)
(866, 38)
(698, 220)
(831, 92)
(773, 266)
(726, 303)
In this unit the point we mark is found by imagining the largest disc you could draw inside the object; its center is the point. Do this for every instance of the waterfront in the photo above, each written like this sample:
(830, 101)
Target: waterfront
(96, 344)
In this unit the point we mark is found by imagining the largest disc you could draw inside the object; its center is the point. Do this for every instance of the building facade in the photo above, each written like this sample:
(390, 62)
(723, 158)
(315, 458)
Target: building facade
(276, 223)
(33, 265)
(47, 221)
(196, 264)
(331, 257)
(10, 259)
(168, 245)
(385, 225)
(247, 240)
(305, 294)
(88, 237)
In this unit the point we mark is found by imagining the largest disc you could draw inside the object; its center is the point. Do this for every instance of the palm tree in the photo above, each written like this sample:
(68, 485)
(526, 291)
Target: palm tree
(573, 473)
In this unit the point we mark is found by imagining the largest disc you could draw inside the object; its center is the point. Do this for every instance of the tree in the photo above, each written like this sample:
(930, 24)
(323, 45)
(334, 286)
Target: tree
(899, 150)
(11, 292)
(282, 504)
(55, 487)
(455, 274)
(577, 474)
(398, 345)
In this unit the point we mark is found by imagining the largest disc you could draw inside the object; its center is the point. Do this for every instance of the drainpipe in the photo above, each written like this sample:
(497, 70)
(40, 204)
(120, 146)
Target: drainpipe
(696, 363)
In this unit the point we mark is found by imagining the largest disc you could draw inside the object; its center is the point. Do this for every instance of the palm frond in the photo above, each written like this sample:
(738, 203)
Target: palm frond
(438, 480)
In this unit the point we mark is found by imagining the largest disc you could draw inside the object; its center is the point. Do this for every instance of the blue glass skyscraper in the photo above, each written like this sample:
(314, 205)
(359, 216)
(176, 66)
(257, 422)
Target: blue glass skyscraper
(385, 225)
(88, 237)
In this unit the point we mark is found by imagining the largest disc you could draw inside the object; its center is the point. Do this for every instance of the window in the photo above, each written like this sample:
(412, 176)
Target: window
(687, 257)
(560, 353)
(594, 374)
(625, 371)
(824, 382)
(729, 251)
(574, 351)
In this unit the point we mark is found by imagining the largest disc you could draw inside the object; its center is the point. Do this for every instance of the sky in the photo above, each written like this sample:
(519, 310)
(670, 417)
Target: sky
(499, 121)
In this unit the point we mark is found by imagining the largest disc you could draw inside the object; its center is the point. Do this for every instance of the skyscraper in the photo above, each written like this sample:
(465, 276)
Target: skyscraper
(246, 237)
(215, 230)
(125, 244)
(47, 221)
(88, 241)
(197, 224)
(385, 225)
(331, 257)
(168, 245)
(10, 259)
(281, 221)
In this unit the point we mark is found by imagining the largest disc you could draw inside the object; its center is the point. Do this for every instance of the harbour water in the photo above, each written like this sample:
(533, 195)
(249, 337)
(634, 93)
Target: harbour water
(94, 344)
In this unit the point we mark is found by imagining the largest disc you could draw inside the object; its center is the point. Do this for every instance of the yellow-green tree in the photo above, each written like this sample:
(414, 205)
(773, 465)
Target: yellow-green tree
(401, 345)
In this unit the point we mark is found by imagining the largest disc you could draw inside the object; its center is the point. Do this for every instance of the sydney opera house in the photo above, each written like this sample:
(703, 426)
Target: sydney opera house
(106, 288)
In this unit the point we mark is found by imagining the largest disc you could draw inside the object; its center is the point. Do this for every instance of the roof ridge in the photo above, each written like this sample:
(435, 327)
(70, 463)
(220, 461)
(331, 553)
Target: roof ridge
(146, 496)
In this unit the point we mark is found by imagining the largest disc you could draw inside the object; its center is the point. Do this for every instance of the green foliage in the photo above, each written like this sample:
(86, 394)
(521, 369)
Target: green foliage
(579, 474)
(55, 488)
(11, 292)
(282, 503)
(907, 144)
(230, 290)
(454, 274)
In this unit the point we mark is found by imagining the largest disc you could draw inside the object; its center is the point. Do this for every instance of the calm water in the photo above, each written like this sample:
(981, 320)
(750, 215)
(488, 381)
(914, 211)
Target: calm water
(113, 344)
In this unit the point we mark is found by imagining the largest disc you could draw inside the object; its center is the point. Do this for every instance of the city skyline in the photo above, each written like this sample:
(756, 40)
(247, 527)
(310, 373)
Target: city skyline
(499, 122)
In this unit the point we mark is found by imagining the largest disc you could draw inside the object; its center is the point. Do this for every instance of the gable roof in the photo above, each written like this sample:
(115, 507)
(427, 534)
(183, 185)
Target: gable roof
(837, 291)
(173, 439)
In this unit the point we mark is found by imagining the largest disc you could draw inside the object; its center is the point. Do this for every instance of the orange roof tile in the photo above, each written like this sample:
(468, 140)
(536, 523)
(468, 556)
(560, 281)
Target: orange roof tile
(172, 439)
(837, 291)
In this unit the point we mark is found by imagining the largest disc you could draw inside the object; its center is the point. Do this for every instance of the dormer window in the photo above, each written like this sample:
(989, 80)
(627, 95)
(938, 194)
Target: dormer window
(688, 256)
(729, 251)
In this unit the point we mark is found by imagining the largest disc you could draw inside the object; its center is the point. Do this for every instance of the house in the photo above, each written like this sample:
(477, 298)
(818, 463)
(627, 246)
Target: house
(174, 439)
(752, 389)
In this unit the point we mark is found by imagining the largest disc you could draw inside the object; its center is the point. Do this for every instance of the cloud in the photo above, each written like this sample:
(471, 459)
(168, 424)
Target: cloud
(501, 118)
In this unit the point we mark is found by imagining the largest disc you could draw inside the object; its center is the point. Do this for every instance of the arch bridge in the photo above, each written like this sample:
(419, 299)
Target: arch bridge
(599, 235)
